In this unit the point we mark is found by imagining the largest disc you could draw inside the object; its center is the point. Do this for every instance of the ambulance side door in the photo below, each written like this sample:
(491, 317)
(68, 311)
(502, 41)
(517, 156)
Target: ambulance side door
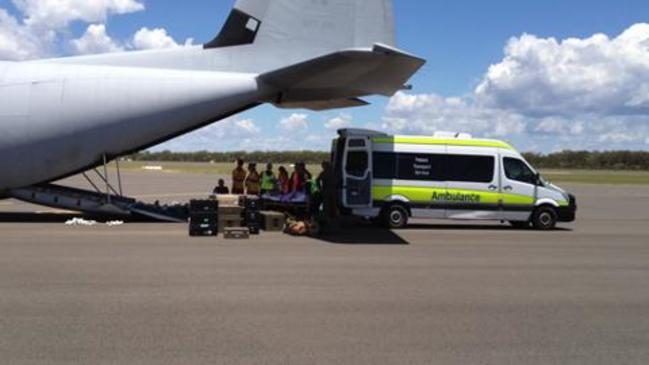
(472, 186)
(518, 190)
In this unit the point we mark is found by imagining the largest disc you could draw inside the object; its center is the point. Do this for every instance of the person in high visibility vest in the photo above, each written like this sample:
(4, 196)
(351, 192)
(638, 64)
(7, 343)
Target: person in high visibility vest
(268, 180)
(238, 179)
(253, 181)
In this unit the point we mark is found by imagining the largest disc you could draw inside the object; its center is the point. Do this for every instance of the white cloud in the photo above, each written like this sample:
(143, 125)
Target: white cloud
(618, 138)
(17, 42)
(227, 134)
(235, 134)
(339, 122)
(426, 114)
(559, 126)
(295, 122)
(42, 24)
(430, 113)
(247, 126)
(95, 40)
(57, 14)
(588, 93)
(596, 75)
(157, 38)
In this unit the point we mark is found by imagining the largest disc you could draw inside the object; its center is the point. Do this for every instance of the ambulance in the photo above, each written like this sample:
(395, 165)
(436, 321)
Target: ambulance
(391, 179)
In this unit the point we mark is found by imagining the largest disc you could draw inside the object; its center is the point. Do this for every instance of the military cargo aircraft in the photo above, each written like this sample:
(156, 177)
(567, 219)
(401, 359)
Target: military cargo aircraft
(65, 116)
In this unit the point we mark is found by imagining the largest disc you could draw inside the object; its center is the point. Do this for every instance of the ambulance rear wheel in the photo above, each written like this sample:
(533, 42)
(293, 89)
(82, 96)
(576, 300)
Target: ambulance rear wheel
(545, 218)
(395, 217)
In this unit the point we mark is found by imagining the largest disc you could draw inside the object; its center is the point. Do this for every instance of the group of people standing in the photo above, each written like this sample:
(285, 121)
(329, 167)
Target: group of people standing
(320, 191)
(251, 182)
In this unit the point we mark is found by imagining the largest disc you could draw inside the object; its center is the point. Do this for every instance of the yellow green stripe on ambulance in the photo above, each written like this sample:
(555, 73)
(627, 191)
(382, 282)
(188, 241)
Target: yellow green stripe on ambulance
(436, 195)
(443, 141)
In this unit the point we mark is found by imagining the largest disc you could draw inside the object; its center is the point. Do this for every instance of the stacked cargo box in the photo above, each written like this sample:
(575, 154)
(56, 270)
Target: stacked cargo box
(273, 221)
(223, 214)
(203, 218)
(252, 214)
(230, 216)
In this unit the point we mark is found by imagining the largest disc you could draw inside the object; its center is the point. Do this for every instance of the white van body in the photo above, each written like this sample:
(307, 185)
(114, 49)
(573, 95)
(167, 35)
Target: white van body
(450, 176)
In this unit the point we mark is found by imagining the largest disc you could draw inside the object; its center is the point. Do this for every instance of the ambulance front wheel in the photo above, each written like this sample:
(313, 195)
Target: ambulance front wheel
(545, 218)
(395, 217)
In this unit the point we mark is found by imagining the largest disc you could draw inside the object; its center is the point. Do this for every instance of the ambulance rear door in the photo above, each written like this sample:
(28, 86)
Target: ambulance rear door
(357, 173)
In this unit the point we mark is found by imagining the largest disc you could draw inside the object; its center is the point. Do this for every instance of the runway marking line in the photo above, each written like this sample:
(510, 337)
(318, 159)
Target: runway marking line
(170, 195)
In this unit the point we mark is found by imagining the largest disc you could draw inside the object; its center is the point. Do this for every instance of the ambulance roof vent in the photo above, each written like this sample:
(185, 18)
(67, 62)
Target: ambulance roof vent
(354, 132)
(452, 135)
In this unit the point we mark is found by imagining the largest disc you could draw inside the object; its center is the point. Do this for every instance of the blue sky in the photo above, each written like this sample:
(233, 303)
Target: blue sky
(462, 41)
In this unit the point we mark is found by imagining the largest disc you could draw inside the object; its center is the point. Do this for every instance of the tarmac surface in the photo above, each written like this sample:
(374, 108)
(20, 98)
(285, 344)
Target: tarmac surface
(434, 293)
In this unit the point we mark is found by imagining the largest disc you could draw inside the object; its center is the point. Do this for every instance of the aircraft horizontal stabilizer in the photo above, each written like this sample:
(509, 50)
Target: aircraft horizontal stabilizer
(323, 104)
(338, 79)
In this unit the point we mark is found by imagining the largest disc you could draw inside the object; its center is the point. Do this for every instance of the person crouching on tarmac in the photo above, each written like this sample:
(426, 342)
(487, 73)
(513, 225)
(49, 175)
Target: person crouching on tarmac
(268, 180)
(238, 179)
(253, 181)
(221, 189)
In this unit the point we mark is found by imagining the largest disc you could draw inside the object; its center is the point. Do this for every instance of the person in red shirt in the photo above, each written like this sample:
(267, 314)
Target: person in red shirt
(297, 179)
(300, 177)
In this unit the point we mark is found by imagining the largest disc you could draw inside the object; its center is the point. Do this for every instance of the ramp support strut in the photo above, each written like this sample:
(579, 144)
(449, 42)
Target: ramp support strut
(105, 179)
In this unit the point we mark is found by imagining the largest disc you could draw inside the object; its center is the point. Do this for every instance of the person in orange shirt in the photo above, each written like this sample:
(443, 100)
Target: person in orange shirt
(253, 181)
(238, 179)
(283, 181)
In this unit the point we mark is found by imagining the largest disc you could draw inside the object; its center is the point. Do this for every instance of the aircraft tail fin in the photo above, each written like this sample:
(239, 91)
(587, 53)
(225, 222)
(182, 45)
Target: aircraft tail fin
(337, 80)
(316, 26)
(264, 35)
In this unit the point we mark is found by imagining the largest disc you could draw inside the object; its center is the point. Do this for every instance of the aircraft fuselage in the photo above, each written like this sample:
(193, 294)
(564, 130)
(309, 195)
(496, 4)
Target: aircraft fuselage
(59, 119)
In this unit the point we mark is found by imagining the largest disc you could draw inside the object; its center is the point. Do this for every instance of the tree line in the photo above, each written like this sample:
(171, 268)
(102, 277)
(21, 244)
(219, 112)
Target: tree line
(587, 160)
(308, 157)
(611, 160)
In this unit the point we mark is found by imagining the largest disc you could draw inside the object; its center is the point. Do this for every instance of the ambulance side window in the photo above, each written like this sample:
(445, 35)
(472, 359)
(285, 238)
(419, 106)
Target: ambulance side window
(477, 169)
(385, 165)
(357, 163)
(518, 170)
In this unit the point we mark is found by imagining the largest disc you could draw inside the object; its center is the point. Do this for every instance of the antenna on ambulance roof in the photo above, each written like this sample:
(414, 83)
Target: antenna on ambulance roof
(452, 135)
